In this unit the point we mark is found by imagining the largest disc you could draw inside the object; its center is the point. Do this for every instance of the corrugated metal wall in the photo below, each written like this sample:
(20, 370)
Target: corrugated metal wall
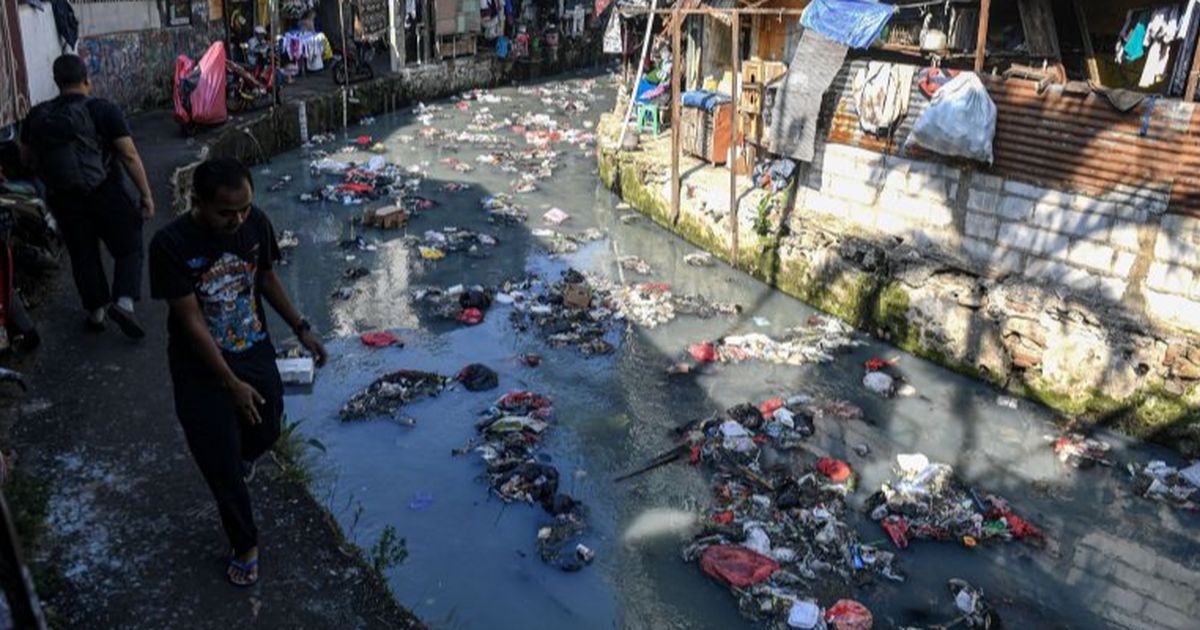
(1056, 139)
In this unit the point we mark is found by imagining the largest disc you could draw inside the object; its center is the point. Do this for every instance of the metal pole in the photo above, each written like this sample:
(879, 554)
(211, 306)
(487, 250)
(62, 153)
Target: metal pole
(676, 117)
(733, 193)
(638, 77)
(345, 66)
(985, 9)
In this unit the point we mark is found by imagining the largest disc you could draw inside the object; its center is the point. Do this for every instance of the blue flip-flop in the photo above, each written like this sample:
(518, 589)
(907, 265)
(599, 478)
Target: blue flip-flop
(245, 568)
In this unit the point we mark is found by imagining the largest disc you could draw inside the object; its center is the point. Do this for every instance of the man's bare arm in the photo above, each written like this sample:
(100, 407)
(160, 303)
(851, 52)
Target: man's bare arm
(276, 295)
(186, 311)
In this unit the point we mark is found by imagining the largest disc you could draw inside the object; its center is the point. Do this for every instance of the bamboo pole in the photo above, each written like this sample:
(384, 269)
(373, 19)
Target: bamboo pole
(733, 196)
(637, 77)
(676, 116)
(985, 9)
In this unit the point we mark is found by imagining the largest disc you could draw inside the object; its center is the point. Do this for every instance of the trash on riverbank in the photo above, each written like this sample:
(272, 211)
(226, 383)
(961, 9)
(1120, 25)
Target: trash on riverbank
(296, 370)
(1161, 482)
(816, 343)
(390, 392)
(557, 312)
(651, 304)
(636, 265)
(381, 339)
(478, 377)
(699, 259)
(928, 501)
(1079, 451)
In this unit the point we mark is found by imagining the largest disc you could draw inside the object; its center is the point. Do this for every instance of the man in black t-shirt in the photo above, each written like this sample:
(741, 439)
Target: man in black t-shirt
(215, 266)
(111, 213)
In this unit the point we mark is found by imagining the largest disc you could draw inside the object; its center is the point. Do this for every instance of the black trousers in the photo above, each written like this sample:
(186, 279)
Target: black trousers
(114, 221)
(220, 440)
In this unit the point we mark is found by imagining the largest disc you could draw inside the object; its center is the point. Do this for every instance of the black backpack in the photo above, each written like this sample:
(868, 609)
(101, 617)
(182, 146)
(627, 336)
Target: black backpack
(70, 158)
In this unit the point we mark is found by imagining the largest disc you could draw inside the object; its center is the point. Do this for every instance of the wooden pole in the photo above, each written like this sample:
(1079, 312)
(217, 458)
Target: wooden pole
(985, 9)
(733, 193)
(1089, 53)
(1189, 94)
(676, 116)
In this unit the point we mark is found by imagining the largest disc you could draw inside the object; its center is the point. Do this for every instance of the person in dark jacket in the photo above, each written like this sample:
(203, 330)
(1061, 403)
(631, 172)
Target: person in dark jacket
(112, 213)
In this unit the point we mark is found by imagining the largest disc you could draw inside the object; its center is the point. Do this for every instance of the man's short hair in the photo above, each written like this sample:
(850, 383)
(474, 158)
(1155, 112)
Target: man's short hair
(69, 71)
(217, 173)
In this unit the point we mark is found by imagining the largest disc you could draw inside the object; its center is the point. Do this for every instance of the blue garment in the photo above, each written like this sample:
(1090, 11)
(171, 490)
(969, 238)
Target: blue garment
(502, 47)
(855, 23)
(1135, 45)
(703, 99)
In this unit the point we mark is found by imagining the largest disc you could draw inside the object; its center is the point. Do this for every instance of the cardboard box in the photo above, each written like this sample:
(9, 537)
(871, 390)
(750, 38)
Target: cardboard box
(577, 295)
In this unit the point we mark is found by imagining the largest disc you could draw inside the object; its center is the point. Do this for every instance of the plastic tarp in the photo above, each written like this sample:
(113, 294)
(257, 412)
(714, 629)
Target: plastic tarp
(737, 566)
(855, 23)
(205, 101)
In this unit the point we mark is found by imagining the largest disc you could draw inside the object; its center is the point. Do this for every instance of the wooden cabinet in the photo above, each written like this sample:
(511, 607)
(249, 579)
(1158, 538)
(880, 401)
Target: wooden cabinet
(705, 134)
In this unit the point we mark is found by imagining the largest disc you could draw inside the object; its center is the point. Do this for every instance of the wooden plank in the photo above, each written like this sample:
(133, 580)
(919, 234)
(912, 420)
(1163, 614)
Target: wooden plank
(1189, 93)
(1089, 53)
(676, 76)
(732, 163)
(985, 10)
(1041, 33)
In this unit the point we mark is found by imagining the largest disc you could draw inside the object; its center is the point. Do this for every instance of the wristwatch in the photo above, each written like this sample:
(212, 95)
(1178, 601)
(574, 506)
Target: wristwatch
(302, 326)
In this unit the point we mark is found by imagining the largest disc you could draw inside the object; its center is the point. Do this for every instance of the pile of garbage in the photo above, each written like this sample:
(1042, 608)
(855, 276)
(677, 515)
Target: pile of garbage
(435, 244)
(388, 393)
(510, 432)
(1161, 482)
(468, 305)
(574, 312)
(501, 209)
(652, 304)
(927, 501)
(559, 243)
(375, 179)
(1079, 451)
(816, 343)
(778, 536)
(971, 609)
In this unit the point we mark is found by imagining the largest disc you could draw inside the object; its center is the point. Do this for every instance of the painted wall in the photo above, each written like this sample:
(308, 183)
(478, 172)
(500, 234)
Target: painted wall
(101, 18)
(40, 45)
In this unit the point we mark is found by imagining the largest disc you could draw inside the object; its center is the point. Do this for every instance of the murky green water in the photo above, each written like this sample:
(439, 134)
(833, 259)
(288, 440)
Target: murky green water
(1114, 559)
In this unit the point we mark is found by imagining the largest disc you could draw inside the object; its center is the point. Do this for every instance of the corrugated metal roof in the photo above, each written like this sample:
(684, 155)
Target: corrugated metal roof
(1057, 139)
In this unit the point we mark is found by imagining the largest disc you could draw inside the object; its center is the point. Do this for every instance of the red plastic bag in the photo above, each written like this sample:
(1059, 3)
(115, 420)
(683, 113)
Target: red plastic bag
(380, 339)
(897, 529)
(737, 566)
(471, 316)
(355, 187)
(363, 141)
(848, 614)
(769, 407)
(874, 365)
(1022, 528)
(207, 100)
(703, 352)
(836, 469)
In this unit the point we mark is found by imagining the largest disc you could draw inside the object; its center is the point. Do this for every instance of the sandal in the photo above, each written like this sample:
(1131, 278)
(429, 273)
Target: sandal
(249, 572)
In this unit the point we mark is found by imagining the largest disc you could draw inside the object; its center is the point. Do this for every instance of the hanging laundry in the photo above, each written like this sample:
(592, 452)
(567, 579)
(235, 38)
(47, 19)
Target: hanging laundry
(881, 92)
(1161, 32)
(1131, 42)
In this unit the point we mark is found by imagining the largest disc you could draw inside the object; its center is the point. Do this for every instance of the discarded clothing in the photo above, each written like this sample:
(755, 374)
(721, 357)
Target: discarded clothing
(390, 392)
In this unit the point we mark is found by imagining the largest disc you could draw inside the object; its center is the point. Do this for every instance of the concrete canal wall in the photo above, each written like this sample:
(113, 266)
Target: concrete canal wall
(1090, 304)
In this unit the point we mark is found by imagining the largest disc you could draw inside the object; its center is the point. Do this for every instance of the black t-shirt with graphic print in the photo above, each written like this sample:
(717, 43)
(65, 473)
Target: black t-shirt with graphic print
(224, 272)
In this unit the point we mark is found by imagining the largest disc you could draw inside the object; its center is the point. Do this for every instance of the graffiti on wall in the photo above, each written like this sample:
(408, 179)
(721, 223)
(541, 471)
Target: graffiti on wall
(135, 69)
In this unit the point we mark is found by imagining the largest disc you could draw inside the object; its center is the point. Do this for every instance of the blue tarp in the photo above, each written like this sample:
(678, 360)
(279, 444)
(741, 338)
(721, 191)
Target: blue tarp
(703, 99)
(855, 23)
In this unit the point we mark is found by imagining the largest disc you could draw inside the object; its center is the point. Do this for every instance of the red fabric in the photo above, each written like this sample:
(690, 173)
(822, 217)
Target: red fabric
(522, 398)
(355, 187)
(694, 455)
(737, 566)
(1022, 528)
(380, 339)
(769, 407)
(657, 287)
(836, 469)
(463, 105)
(848, 614)
(722, 518)
(362, 141)
(471, 316)
(703, 352)
(874, 365)
(897, 529)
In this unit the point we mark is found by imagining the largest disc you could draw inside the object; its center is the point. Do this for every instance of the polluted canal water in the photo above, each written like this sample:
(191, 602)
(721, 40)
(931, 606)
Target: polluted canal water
(471, 168)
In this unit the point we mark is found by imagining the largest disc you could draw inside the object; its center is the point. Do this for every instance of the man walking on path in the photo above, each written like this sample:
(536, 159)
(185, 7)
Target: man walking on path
(83, 151)
(215, 266)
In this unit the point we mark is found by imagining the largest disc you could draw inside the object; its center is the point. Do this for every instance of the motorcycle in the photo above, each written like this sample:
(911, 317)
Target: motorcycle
(248, 87)
(356, 65)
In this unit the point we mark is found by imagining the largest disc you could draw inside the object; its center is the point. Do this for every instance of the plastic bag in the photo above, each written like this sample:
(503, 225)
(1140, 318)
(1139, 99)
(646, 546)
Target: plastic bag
(848, 614)
(205, 103)
(478, 377)
(960, 121)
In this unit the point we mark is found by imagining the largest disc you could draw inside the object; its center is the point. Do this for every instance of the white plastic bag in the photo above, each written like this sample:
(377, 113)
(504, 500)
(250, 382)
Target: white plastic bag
(960, 121)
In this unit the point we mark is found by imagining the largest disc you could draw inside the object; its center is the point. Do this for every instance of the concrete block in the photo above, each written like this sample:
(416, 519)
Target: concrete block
(924, 211)
(1071, 222)
(1092, 205)
(894, 224)
(1169, 278)
(992, 256)
(1123, 264)
(1172, 247)
(982, 201)
(860, 214)
(1055, 272)
(824, 204)
(1132, 213)
(854, 191)
(1125, 234)
(1091, 255)
(1028, 191)
(1030, 239)
(896, 180)
(985, 182)
(1015, 208)
(1181, 226)
(1112, 289)
(982, 226)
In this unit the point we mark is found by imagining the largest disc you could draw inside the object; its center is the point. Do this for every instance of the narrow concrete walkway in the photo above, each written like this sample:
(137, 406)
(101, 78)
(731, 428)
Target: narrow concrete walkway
(132, 532)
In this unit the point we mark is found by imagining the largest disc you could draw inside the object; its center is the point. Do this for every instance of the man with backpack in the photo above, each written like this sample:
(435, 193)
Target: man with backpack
(82, 150)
